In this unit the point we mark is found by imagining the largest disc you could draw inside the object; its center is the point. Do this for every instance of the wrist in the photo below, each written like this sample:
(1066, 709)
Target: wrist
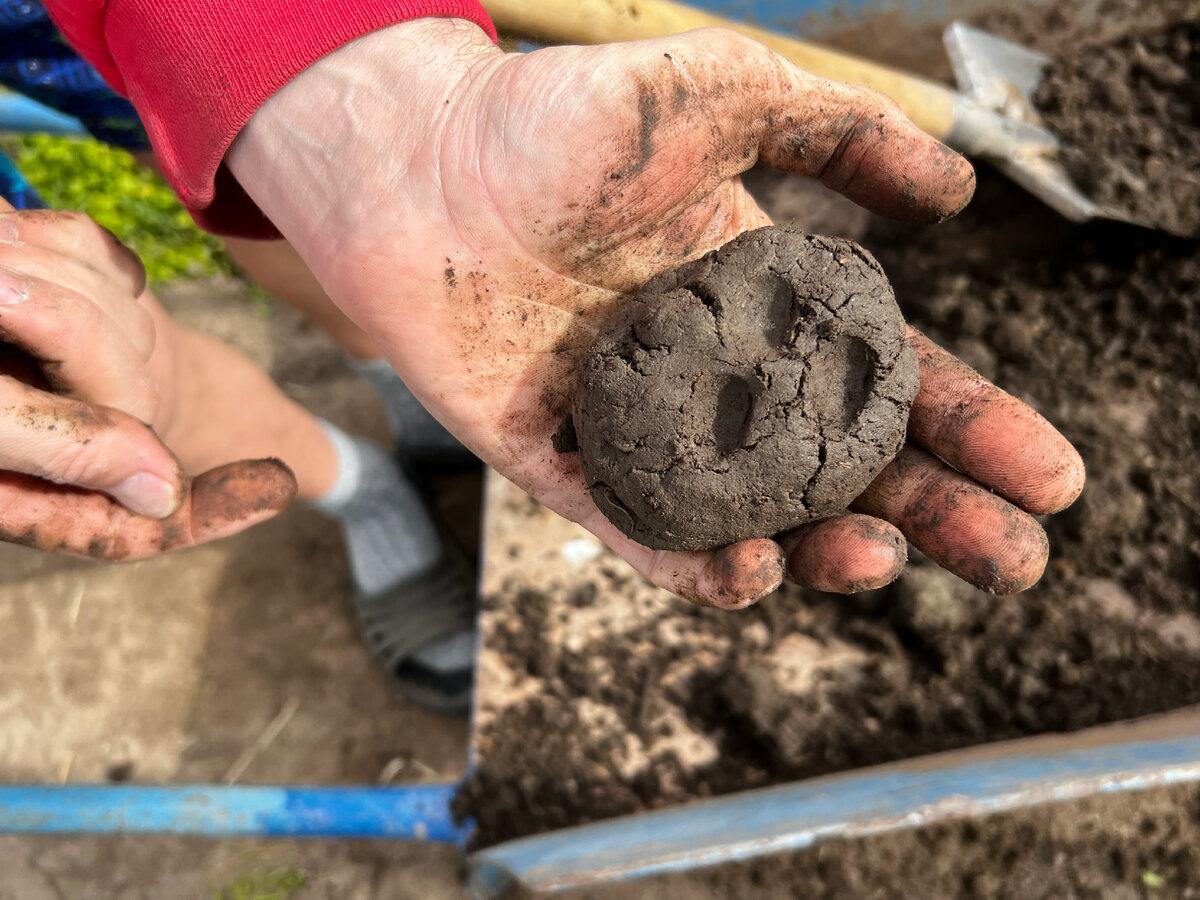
(344, 134)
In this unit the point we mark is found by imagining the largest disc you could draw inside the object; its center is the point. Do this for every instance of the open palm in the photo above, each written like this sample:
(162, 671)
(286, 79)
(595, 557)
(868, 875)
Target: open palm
(484, 250)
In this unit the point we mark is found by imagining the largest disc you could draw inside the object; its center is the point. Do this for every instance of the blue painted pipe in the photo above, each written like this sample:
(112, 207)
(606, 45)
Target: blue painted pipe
(411, 812)
(767, 12)
(19, 113)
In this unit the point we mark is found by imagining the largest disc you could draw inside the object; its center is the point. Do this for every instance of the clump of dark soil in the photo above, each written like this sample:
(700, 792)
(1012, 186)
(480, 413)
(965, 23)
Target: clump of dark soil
(757, 388)
(1127, 112)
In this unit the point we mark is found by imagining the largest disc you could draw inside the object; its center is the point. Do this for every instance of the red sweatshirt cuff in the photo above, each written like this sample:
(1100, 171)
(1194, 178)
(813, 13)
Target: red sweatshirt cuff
(198, 70)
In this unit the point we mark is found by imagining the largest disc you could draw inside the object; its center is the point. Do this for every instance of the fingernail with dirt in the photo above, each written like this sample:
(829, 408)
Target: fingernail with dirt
(146, 495)
(8, 231)
(14, 287)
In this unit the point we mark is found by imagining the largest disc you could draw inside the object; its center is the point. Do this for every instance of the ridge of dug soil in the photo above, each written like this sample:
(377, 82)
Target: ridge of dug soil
(1127, 114)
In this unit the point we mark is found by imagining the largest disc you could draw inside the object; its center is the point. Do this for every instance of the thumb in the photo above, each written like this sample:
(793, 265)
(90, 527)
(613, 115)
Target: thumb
(853, 139)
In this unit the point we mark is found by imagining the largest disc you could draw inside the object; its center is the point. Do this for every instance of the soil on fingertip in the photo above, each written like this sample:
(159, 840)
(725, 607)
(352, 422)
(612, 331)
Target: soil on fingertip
(1097, 327)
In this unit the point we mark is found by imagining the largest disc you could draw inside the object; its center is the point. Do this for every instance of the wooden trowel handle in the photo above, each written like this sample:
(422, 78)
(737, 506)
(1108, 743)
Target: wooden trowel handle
(928, 104)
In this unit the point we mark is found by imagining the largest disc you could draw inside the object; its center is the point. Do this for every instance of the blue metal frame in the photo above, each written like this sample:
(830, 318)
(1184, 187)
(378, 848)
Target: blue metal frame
(739, 826)
(419, 812)
(794, 816)
(783, 13)
(15, 187)
(19, 113)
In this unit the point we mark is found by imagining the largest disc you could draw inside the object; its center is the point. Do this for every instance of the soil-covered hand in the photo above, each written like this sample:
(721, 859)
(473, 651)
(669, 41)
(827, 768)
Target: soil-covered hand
(480, 214)
(81, 470)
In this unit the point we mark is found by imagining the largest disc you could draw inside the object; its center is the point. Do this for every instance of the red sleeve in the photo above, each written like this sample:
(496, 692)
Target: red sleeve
(198, 69)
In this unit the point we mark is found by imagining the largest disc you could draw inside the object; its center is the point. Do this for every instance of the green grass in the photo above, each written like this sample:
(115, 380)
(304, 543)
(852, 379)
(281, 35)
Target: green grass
(277, 885)
(130, 201)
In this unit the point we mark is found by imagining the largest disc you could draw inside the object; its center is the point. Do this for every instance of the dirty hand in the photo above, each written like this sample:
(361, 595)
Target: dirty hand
(480, 214)
(81, 471)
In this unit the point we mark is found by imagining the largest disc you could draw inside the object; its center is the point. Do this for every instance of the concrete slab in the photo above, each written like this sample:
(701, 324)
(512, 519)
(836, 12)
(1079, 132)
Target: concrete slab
(98, 665)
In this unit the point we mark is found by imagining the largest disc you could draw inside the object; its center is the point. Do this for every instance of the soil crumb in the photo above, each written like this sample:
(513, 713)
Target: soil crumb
(1128, 114)
(757, 388)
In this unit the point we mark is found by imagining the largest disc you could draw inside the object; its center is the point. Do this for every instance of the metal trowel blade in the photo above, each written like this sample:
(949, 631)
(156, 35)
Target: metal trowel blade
(1003, 76)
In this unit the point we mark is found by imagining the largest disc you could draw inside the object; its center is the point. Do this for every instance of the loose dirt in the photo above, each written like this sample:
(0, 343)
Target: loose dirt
(1127, 114)
(748, 392)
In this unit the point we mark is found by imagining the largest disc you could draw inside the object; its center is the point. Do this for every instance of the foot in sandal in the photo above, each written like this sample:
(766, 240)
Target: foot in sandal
(414, 591)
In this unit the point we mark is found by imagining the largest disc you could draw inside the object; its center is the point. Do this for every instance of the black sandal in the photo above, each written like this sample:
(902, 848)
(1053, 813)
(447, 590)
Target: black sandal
(437, 603)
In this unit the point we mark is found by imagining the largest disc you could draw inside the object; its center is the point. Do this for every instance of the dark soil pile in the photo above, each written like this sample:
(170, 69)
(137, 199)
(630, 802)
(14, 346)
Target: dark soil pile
(1099, 328)
(1127, 113)
(746, 393)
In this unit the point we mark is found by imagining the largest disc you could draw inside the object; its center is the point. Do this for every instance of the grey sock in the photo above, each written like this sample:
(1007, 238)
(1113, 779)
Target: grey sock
(390, 537)
(415, 430)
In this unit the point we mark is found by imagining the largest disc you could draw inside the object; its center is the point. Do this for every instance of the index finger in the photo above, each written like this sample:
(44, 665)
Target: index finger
(990, 435)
